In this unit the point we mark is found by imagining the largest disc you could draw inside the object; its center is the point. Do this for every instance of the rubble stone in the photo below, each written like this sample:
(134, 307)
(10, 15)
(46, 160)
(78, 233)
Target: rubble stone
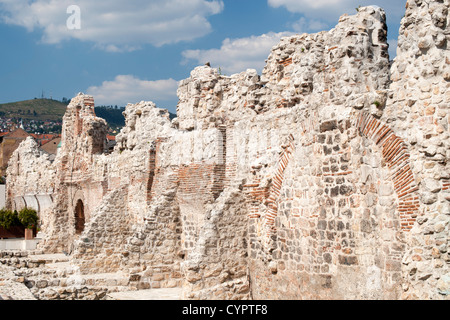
(325, 177)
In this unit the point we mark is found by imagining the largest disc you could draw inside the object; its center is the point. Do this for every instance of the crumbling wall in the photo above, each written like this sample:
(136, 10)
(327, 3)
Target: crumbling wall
(140, 183)
(217, 266)
(101, 247)
(319, 179)
(31, 180)
(418, 112)
(83, 137)
(30, 171)
(293, 139)
(326, 226)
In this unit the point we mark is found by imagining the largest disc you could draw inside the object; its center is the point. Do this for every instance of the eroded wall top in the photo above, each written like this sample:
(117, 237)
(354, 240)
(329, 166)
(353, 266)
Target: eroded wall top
(349, 65)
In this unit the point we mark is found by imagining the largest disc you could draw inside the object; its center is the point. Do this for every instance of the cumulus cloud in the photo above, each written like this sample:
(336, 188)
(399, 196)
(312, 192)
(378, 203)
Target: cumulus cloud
(302, 5)
(328, 11)
(130, 89)
(309, 25)
(324, 14)
(237, 55)
(115, 25)
(324, 10)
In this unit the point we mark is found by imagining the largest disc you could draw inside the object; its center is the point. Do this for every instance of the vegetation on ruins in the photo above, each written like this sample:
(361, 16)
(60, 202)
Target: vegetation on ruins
(8, 218)
(28, 218)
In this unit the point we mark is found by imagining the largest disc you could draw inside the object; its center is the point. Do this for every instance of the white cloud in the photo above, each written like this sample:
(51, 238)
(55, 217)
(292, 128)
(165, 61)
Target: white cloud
(304, 5)
(115, 25)
(305, 25)
(237, 55)
(129, 89)
(325, 10)
(331, 10)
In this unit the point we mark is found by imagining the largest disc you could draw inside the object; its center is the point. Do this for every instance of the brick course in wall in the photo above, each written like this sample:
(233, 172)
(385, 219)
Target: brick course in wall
(323, 219)
(310, 181)
(395, 154)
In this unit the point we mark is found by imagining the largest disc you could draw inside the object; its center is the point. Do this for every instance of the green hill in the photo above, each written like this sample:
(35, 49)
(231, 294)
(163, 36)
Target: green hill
(37, 109)
(113, 116)
(53, 110)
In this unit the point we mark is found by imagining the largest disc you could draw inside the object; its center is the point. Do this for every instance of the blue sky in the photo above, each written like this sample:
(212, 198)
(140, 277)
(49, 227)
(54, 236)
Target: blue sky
(127, 51)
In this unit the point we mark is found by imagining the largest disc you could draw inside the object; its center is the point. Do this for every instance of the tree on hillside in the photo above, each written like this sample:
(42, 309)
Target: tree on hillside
(112, 115)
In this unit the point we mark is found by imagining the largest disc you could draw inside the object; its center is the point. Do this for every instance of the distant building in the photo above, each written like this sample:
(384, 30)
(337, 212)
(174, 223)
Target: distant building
(110, 143)
(51, 146)
(43, 139)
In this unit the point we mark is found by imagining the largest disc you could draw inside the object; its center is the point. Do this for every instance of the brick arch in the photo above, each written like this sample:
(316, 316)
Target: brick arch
(275, 188)
(394, 152)
(271, 196)
(396, 155)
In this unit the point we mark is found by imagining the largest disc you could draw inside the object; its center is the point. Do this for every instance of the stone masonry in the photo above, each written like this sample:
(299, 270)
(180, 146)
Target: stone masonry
(325, 177)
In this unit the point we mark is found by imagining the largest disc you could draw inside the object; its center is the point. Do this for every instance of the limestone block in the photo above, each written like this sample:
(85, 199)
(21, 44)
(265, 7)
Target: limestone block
(431, 185)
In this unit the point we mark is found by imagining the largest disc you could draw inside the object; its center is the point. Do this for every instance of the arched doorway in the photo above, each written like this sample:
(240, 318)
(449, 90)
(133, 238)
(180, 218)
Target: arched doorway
(79, 217)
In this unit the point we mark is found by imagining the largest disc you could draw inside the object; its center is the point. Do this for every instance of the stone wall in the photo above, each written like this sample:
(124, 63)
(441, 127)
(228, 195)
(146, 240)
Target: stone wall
(327, 227)
(325, 177)
(418, 111)
(100, 249)
(31, 181)
(217, 266)
(320, 198)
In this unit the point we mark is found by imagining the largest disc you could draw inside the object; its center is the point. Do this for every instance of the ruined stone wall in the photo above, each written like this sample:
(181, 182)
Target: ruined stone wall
(144, 238)
(83, 137)
(340, 218)
(327, 226)
(101, 247)
(326, 177)
(31, 181)
(217, 266)
(418, 111)
(30, 173)
(295, 145)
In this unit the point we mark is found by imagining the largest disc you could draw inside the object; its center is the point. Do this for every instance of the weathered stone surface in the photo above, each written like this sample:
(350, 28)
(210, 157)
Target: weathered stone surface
(417, 111)
(325, 177)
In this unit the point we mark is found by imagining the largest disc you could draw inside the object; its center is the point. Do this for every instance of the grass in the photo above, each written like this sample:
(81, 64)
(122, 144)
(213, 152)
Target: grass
(37, 109)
